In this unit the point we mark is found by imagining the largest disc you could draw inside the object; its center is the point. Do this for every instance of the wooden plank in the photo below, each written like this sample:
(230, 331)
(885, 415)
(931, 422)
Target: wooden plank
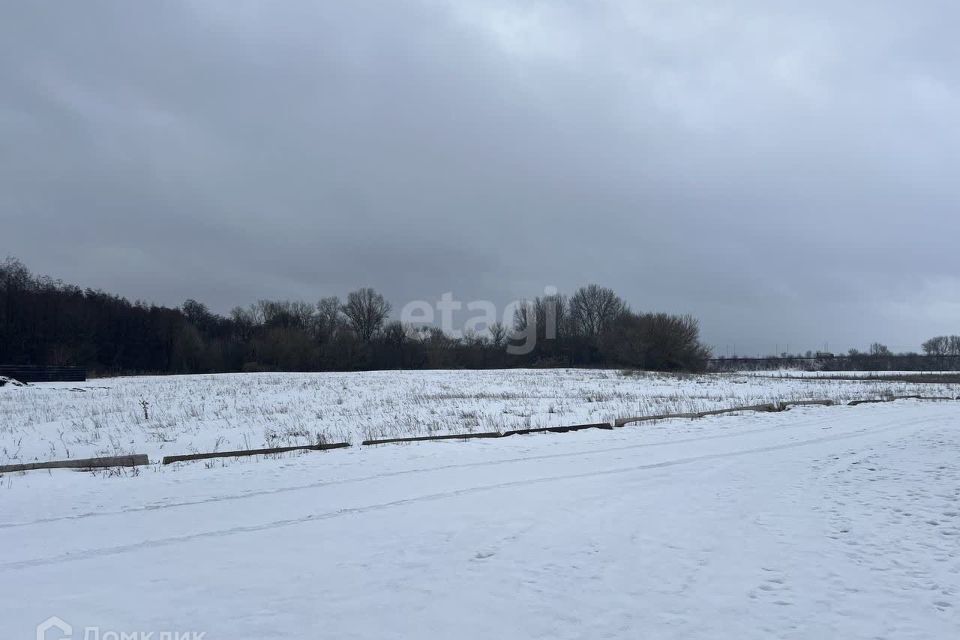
(769, 407)
(805, 403)
(579, 427)
(560, 429)
(664, 416)
(455, 436)
(854, 403)
(80, 463)
(520, 432)
(252, 452)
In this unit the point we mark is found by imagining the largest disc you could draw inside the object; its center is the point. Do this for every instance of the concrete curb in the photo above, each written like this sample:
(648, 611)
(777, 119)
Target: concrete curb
(252, 452)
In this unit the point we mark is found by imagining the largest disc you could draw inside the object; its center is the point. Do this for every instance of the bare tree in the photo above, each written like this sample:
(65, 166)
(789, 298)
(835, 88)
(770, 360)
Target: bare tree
(366, 311)
(553, 316)
(283, 314)
(328, 317)
(522, 338)
(593, 309)
(198, 314)
(522, 316)
(243, 322)
(877, 349)
(395, 334)
(14, 274)
(953, 346)
(498, 333)
(939, 346)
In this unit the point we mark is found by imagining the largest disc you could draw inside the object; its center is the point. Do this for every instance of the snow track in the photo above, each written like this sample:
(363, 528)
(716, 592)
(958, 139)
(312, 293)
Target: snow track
(810, 523)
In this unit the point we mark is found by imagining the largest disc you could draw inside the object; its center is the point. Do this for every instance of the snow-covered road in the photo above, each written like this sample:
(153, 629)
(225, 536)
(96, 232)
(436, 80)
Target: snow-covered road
(840, 522)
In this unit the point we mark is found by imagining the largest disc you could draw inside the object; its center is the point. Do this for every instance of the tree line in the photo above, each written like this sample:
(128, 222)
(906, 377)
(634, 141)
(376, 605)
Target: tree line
(941, 353)
(47, 322)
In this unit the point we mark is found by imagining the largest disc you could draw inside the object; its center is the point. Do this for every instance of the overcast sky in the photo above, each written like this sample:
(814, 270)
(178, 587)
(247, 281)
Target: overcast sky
(785, 171)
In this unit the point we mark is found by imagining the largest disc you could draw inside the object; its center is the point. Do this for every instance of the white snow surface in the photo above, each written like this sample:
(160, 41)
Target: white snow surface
(799, 373)
(195, 414)
(818, 522)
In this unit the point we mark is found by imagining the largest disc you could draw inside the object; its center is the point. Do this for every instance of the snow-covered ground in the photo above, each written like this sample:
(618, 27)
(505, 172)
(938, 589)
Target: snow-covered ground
(190, 414)
(818, 522)
(797, 373)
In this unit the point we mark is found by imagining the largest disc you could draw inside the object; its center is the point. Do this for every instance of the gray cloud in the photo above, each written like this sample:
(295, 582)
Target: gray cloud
(781, 170)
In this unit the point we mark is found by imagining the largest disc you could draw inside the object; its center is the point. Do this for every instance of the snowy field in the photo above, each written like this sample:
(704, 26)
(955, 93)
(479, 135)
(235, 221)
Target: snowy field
(796, 373)
(191, 414)
(818, 522)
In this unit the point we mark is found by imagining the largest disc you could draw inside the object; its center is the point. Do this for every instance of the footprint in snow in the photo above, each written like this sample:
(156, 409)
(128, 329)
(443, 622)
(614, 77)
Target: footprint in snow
(483, 555)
